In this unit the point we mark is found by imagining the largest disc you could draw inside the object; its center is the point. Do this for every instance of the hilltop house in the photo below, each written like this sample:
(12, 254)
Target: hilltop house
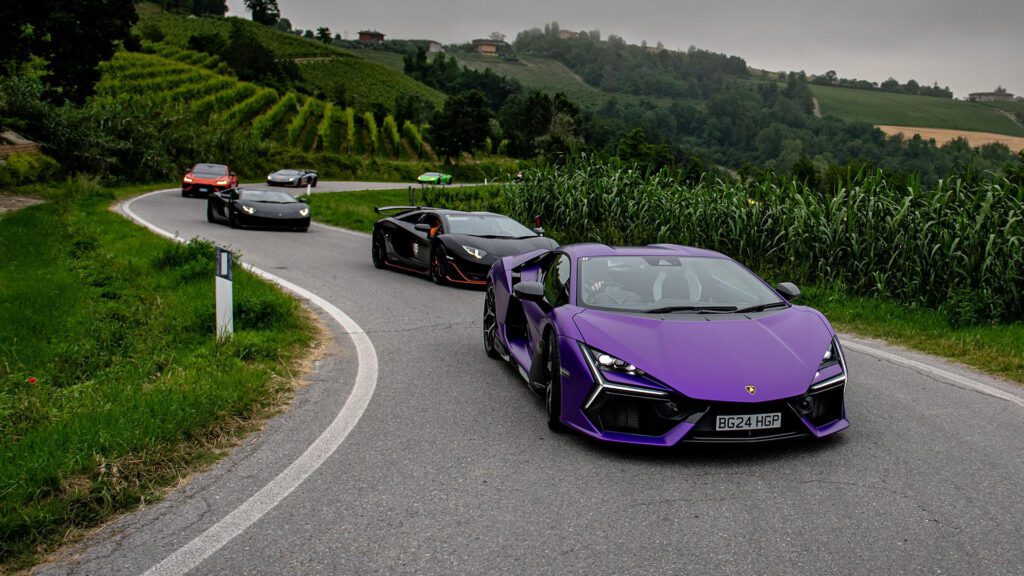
(371, 36)
(567, 34)
(990, 97)
(492, 47)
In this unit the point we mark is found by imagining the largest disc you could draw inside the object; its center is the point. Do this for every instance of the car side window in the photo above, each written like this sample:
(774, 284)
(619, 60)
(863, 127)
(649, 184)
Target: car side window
(556, 281)
(434, 221)
(411, 218)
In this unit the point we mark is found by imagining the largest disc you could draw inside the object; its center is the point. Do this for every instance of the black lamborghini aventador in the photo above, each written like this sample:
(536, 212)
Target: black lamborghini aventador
(243, 207)
(450, 246)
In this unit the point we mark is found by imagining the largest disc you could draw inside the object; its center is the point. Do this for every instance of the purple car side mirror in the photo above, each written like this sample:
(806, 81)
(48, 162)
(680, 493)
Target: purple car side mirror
(532, 291)
(788, 290)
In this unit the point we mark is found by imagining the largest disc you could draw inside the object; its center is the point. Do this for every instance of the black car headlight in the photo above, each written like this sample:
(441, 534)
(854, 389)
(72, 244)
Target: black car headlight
(248, 209)
(304, 212)
(474, 252)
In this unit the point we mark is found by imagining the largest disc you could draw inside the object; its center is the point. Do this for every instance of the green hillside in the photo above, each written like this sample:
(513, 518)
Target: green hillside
(550, 76)
(367, 84)
(906, 110)
(178, 29)
(290, 120)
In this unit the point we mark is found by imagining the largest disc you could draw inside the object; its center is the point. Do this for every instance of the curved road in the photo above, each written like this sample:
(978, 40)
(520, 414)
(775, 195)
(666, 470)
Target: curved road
(451, 469)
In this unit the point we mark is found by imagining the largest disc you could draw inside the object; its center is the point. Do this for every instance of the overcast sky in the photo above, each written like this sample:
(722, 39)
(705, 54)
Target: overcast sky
(968, 45)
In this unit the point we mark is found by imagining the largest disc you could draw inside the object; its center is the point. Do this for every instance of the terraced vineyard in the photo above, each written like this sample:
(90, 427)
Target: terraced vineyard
(177, 79)
(366, 84)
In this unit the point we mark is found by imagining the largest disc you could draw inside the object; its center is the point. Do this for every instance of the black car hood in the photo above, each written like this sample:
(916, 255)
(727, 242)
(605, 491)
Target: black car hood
(499, 247)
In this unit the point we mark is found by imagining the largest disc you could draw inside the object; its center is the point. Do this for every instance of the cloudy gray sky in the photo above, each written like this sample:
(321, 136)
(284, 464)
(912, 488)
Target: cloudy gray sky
(968, 45)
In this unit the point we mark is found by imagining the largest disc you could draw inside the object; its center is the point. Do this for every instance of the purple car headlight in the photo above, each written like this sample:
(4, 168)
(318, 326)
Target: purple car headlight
(826, 376)
(823, 403)
(608, 363)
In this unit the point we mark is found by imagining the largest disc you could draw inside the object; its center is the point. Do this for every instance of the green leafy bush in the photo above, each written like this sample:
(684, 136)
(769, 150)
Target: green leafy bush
(26, 168)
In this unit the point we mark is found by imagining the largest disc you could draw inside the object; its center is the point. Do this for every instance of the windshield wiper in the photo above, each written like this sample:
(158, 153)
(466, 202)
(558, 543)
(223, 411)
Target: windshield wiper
(668, 309)
(762, 307)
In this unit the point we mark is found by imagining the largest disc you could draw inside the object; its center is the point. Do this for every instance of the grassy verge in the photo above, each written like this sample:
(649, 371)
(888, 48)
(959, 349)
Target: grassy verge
(111, 386)
(996, 349)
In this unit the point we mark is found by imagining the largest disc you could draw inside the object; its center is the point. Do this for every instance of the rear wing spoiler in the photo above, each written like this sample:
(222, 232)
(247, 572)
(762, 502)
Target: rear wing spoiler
(379, 209)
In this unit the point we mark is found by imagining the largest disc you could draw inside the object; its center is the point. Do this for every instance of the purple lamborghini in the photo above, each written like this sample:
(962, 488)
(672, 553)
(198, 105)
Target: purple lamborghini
(664, 344)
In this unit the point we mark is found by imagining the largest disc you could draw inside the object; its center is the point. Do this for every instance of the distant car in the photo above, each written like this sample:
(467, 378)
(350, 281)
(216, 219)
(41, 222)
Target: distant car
(245, 207)
(664, 344)
(450, 246)
(434, 178)
(297, 178)
(205, 179)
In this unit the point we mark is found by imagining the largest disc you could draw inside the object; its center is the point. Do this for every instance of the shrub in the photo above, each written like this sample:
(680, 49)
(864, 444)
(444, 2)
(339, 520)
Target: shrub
(27, 168)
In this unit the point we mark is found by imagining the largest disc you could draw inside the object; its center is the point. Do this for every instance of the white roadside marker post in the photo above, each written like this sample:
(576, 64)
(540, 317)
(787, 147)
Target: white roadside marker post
(225, 312)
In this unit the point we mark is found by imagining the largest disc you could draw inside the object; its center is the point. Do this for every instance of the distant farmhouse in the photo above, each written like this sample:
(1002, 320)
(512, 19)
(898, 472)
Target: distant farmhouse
(567, 34)
(13, 143)
(371, 36)
(990, 97)
(492, 47)
(431, 46)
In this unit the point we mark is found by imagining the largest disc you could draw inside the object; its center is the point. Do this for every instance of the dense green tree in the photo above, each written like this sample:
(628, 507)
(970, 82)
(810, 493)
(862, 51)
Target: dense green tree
(284, 25)
(323, 34)
(71, 37)
(462, 125)
(264, 11)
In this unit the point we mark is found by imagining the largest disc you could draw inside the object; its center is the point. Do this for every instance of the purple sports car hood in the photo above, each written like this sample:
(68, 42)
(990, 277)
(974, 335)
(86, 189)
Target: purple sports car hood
(715, 357)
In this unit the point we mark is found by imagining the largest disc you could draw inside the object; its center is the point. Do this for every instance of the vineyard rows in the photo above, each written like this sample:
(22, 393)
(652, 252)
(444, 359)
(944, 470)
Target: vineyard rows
(166, 76)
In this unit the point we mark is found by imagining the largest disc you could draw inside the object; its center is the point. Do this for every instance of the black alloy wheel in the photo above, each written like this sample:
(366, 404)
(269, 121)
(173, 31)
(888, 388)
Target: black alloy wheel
(378, 251)
(553, 390)
(184, 194)
(438, 266)
(490, 324)
(314, 182)
(209, 212)
(231, 219)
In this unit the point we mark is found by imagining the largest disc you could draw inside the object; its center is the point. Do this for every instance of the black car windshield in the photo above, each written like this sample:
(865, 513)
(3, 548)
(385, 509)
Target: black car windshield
(670, 284)
(489, 225)
(210, 170)
(272, 196)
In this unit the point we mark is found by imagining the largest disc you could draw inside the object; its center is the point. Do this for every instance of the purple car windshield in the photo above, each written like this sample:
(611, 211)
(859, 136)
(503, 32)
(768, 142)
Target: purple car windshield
(669, 283)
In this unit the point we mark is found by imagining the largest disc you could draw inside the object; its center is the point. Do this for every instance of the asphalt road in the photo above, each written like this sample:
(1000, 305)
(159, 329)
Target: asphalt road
(451, 469)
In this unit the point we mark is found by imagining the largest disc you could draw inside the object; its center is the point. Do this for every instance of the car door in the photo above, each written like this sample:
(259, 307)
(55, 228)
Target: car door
(221, 203)
(555, 276)
(424, 240)
(403, 244)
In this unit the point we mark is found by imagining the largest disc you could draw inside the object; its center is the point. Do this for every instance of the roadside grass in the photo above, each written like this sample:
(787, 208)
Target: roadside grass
(111, 385)
(997, 349)
(907, 110)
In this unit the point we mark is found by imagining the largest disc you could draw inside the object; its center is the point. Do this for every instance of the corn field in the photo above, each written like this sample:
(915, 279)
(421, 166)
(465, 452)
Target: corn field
(933, 247)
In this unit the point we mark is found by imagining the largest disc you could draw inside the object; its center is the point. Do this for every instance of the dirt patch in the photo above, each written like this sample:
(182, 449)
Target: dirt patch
(941, 136)
(10, 202)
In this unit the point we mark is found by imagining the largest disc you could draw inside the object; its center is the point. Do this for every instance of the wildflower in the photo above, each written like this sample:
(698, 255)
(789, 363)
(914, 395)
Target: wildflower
(31, 380)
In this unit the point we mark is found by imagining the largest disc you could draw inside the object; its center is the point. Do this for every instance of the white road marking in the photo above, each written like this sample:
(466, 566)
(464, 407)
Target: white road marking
(192, 554)
(956, 379)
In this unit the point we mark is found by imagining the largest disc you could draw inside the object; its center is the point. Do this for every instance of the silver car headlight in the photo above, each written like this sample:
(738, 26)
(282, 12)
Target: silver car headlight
(304, 212)
(248, 209)
(474, 252)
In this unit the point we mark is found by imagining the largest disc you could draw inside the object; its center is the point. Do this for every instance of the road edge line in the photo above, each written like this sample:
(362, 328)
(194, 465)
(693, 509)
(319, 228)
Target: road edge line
(956, 379)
